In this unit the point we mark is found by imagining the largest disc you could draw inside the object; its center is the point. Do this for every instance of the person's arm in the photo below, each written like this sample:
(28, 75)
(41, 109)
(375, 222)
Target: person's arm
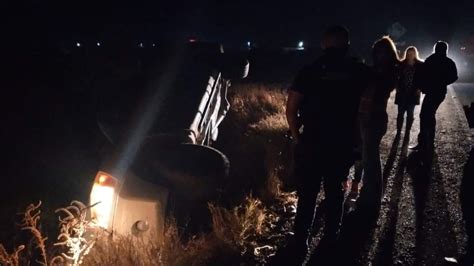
(452, 73)
(293, 105)
(418, 79)
(394, 78)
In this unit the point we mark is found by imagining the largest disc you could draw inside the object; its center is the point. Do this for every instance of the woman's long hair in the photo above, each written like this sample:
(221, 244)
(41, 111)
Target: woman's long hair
(404, 60)
(386, 46)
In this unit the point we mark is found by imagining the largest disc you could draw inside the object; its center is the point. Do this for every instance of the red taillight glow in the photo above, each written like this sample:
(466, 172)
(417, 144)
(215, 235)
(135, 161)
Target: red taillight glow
(105, 179)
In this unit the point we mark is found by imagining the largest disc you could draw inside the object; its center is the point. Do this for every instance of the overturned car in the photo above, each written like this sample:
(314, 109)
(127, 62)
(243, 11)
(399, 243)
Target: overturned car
(161, 126)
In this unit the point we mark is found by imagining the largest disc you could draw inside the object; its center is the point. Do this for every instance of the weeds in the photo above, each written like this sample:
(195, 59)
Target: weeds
(77, 234)
(12, 259)
(252, 103)
(130, 250)
(248, 232)
(242, 224)
(30, 223)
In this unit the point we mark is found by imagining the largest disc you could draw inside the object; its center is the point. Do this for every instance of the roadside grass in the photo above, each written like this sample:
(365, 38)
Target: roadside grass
(254, 139)
(247, 226)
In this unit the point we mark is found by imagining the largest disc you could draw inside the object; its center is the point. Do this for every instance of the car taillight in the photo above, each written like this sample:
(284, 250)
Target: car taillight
(103, 198)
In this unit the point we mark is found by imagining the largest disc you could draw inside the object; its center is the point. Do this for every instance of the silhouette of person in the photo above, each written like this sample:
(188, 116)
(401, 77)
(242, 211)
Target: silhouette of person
(408, 95)
(434, 76)
(373, 121)
(323, 102)
(356, 179)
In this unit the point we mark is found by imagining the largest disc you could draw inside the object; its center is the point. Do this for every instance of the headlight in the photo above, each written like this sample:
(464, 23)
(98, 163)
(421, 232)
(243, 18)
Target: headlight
(103, 198)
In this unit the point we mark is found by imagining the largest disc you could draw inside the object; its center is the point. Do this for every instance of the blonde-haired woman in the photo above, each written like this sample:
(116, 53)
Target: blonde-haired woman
(373, 121)
(408, 95)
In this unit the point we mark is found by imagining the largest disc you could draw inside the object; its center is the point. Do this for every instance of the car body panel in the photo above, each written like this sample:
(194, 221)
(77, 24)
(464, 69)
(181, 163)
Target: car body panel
(173, 159)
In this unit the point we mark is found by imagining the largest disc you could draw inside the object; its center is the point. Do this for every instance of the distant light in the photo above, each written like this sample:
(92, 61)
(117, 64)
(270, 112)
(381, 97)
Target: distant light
(140, 45)
(98, 44)
(78, 44)
(248, 44)
(153, 45)
(301, 45)
(463, 48)
(192, 40)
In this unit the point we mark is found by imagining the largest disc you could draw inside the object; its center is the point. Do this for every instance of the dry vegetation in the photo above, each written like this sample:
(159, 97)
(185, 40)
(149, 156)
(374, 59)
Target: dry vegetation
(245, 229)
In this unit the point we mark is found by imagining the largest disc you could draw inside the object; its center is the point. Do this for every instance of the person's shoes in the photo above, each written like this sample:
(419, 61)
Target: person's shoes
(291, 254)
(354, 192)
(351, 200)
(416, 147)
(465, 260)
(353, 195)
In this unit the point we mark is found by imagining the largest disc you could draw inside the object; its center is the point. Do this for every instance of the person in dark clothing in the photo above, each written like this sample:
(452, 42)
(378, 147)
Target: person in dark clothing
(434, 76)
(373, 118)
(373, 121)
(355, 181)
(353, 184)
(323, 102)
(408, 95)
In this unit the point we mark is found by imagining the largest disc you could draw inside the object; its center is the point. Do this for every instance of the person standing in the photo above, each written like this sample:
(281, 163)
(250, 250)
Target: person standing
(408, 95)
(355, 181)
(373, 121)
(434, 76)
(323, 101)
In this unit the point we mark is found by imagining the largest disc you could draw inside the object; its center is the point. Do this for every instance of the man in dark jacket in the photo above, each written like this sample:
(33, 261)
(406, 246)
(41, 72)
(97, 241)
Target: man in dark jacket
(323, 101)
(436, 74)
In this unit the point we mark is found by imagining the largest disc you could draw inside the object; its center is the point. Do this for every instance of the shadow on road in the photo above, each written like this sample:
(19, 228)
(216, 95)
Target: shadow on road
(433, 224)
(387, 246)
(467, 204)
(391, 159)
(421, 183)
(434, 229)
(358, 226)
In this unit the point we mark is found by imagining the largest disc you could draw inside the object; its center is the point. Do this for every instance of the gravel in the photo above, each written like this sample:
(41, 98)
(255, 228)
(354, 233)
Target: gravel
(421, 219)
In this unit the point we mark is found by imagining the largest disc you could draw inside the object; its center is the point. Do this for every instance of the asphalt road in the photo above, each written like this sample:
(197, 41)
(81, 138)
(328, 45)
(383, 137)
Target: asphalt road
(421, 220)
(464, 93)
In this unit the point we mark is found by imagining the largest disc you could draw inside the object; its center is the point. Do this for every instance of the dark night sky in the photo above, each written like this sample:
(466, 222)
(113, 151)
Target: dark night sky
(235, 21)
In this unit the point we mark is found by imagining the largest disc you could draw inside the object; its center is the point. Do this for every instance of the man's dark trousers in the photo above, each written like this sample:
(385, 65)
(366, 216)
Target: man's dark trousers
(428, 120)
(316, 163)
